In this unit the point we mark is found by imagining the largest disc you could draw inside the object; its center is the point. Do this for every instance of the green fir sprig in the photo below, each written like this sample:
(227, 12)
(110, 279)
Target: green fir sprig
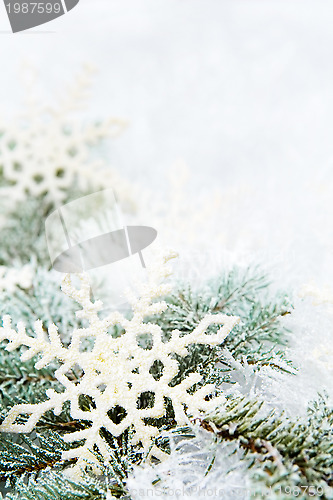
(286, 456)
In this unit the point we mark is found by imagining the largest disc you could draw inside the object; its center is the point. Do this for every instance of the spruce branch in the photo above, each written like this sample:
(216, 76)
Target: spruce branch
(43, 300)
(55, 485)
(260, 337)
(243, 292)
(25, 223)
(283, 453)
(28, 455)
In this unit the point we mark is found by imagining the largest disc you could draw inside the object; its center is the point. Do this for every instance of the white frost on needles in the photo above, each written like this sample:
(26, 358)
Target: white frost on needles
(116, 370)
(184, 474)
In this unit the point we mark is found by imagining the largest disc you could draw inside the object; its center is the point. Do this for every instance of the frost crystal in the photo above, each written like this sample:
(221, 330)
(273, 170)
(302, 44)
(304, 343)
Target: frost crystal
(320, 295)
(196, 468)
(11, 278)
(116, 370)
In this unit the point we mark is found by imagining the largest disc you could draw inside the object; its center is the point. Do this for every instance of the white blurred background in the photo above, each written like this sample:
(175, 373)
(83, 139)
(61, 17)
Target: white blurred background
(233, 87)
(241, 90)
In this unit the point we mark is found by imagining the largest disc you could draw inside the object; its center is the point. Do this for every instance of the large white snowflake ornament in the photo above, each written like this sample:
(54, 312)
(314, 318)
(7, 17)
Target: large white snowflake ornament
(116, 371)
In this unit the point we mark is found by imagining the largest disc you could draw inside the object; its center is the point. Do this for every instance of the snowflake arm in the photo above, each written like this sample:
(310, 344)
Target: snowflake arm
(50, 348)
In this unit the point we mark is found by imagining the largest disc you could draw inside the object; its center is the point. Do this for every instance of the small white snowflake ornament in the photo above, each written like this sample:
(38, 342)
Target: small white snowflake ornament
(44, 152)
(116, 371)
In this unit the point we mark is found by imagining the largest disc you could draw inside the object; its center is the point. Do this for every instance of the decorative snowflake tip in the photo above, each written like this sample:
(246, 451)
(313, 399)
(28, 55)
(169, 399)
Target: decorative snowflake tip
(116, 370)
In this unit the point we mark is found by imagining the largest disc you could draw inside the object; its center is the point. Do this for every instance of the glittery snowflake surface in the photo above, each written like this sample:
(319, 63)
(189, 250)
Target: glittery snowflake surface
(116, 370)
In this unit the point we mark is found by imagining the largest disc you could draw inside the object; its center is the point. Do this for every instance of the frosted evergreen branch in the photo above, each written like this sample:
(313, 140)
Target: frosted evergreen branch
(29, 455)
(54, 485)
(260, 334)
(283, 453)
